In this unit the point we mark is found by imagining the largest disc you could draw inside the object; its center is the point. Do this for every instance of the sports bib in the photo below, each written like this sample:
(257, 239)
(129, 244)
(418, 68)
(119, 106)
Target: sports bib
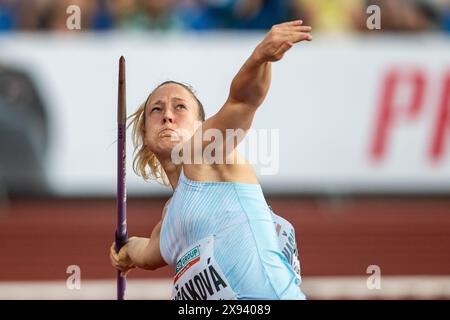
(286, 241)
(198, 275)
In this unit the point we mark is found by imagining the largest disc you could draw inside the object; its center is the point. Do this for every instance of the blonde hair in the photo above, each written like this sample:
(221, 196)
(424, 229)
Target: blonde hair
(145, 163)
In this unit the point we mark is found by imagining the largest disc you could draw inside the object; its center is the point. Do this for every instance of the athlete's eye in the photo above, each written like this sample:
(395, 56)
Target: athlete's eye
(155, 108)
(180, 106)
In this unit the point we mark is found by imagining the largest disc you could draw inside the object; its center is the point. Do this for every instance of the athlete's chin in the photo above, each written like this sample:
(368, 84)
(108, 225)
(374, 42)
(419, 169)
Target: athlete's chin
(166, 146)
(170, 141)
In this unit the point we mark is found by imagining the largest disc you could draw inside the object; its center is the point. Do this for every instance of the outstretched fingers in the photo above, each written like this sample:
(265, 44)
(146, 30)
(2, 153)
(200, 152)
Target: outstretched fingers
(295, 33)
(292, 23)
(295, 37)
(302, 29)
(296, 28)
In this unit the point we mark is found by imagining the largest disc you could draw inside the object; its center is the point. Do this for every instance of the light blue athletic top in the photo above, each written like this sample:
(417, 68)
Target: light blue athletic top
(245, 245)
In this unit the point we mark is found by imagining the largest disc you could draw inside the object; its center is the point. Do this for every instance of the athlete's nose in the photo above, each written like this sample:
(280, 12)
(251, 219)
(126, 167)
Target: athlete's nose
(168, 117)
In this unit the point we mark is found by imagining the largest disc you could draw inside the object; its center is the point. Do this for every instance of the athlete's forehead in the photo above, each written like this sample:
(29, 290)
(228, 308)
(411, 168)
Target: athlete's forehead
(170, 91)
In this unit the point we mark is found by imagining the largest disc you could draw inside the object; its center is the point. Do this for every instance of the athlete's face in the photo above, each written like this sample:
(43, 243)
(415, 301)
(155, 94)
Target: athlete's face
(171, 118)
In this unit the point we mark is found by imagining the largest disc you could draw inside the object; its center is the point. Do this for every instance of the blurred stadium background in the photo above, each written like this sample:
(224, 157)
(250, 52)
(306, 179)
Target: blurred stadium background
(363, 119)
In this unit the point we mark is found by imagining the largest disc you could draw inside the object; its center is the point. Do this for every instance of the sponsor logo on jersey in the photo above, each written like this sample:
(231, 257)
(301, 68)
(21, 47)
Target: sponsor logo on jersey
(187, 261)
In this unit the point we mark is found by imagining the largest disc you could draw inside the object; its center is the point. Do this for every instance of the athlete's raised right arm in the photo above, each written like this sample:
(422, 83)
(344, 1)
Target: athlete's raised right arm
(251, 84)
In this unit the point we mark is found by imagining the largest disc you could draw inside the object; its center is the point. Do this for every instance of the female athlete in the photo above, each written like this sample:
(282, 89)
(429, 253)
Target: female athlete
(217, 229)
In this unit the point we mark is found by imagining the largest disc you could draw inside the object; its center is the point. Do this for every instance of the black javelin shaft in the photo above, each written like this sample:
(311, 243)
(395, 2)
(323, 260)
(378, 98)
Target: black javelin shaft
(121, 231)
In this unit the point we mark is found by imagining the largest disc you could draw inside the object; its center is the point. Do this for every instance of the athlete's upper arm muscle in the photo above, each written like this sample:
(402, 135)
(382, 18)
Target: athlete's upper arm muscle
(230, 125)
(152, 250)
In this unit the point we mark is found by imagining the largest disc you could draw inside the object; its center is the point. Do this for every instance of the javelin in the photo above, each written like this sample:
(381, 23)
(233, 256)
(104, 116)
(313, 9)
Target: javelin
(121, 231)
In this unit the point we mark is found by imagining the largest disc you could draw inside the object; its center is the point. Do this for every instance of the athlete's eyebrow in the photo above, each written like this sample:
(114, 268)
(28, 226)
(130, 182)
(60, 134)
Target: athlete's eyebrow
(159, 102)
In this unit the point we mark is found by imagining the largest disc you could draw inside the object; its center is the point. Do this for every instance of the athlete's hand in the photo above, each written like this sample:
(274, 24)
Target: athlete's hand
(280, 39)
(121, 261)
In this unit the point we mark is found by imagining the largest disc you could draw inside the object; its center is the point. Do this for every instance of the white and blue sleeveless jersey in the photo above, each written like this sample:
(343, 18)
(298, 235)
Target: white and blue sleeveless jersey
(233, 222)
